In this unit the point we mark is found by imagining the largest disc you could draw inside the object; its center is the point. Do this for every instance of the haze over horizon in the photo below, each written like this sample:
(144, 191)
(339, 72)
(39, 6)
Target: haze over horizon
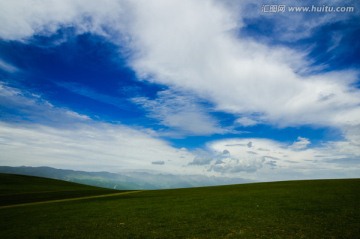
(185, 87)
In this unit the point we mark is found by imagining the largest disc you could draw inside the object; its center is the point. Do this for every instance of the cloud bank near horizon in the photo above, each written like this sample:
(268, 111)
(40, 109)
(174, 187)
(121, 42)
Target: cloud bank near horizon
(65, 139)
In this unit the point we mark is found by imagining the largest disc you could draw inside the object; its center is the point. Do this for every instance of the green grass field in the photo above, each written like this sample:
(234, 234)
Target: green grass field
(17, 189)
(298, 209)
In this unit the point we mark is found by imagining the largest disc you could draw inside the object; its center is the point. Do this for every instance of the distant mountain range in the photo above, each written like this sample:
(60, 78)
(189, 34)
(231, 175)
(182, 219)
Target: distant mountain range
(125, 180)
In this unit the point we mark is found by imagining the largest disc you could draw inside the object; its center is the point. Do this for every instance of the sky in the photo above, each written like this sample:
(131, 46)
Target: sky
(209, 87)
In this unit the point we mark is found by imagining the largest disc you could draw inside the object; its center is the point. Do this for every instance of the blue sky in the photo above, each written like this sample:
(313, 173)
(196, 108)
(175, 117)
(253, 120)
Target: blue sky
(184, 87)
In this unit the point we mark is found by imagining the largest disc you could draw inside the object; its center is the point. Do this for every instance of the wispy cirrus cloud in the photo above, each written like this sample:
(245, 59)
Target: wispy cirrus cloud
(49, 135)
(18, 105)
(181, 112)
(7, 67)
(83, 90)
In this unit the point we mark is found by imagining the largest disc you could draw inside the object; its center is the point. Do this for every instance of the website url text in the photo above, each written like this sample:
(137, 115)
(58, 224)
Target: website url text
(316, 9)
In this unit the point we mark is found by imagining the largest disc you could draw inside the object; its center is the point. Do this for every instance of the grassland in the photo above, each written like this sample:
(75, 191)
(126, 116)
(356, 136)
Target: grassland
(299, 209)
(17, 189)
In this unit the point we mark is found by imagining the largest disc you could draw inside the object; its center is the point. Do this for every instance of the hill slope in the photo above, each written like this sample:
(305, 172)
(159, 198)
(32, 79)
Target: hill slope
(298, 209)
(16, 189)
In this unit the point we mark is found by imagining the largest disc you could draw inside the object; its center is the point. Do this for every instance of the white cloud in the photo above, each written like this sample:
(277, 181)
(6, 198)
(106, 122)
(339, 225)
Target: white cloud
(92, 147)
(246, 121)
(7, 67)
(181, 112)
(195, 46)
(301, 143)
(240, 76)
(158, 162)
(22, 19)
(272, 160)
(231, 164)
(62, 138)
(77, 142)
(87, 92)
(202, 158)
(18, 105)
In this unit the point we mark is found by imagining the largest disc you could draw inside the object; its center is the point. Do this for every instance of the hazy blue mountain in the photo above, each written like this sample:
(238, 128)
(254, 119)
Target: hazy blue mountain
(124, 180)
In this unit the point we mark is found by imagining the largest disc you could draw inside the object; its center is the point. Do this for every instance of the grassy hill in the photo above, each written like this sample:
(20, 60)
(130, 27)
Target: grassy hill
(298, 209)
(16, 189)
